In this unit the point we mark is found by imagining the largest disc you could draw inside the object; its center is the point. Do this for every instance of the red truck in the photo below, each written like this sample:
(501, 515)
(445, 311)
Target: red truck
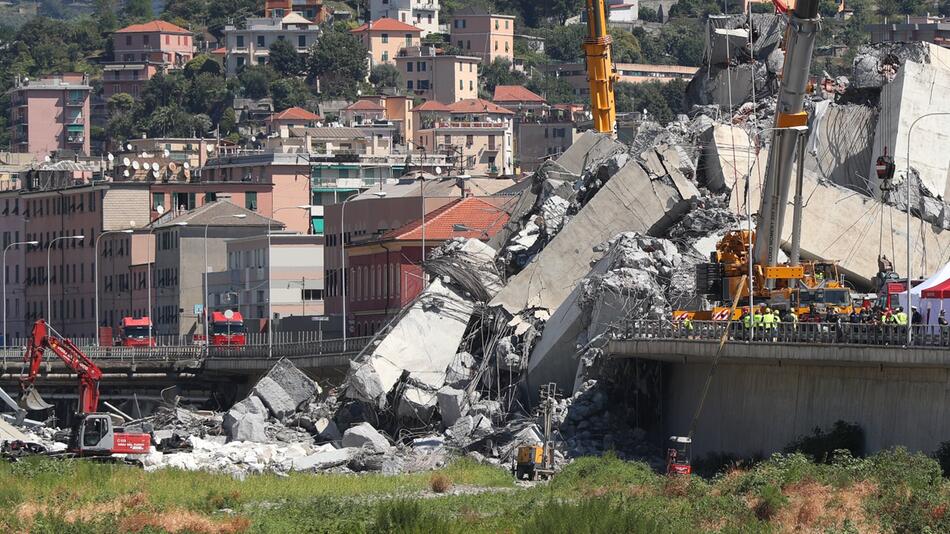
(135, 332)
(227, 328)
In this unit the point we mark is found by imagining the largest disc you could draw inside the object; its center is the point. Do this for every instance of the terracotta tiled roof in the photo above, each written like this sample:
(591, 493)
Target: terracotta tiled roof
(364, 105)
(295, 114)
(386, 24)
(154, 26)
(431, 105)
(220, 51)
(477, 105)
(515, 93)
(481, 218)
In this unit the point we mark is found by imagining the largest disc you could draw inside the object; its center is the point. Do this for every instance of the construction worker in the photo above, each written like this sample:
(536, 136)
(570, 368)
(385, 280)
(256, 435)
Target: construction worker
(768, 323)
(942, 318)
(688, 325)
(746, 322)
(757, 320)
(900, 318)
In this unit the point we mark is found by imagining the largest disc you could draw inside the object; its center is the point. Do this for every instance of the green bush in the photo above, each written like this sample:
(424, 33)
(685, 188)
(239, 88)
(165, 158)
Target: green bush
(770, 502)
(407, 517)
(942, 455)
(820, 444)
(607, 471)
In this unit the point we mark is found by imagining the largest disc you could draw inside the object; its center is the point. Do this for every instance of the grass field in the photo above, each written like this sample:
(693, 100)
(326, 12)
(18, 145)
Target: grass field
(889, 492)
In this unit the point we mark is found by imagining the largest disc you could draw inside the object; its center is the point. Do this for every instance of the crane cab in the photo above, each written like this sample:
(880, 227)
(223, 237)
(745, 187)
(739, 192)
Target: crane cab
(95, 435)
(678, 456)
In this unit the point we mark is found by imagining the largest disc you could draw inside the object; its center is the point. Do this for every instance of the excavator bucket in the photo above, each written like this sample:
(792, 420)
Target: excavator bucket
(31, 400)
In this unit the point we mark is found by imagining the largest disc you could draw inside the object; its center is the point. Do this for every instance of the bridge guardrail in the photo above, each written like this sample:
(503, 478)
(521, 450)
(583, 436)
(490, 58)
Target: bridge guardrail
(328, 347)
(922, 336)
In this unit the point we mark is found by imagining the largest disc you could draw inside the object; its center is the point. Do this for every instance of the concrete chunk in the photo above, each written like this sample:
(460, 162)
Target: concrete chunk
(364, 434)
(417, 403)
(327, 429)
(324, 459)
(298, 386)
(245, 421)
(275, 397)
(452, 405)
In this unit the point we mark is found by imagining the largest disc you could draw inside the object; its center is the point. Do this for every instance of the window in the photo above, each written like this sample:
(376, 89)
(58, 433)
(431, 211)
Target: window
(471, 85)
(455, 23)
(311, 294)
(506, 24)
(468, 45)
(240, 41)
(250, 200)
(409, 85)
(210, 197)
(408, 39)
(461, 85)
(158, 201)
(301, 41)
(260, 41)
(422, 66)
(409, 67)
(385, 37)
(128, 40)
(168, 39)
(496, 24)
(423, 85)
(496, 45)
(261, 60)
(385, 57)
(469, 140)
(506, 46)
(145, 39)
(461, 43)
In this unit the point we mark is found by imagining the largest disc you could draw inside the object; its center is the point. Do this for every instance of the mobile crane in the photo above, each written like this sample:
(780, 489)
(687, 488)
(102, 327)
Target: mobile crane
(93, 433)
(600, 68)
(728, 273)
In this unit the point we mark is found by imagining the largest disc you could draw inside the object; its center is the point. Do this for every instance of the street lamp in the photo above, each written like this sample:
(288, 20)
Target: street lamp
(270, 283)
(49, 277)
(95, 273)
(907, 181)
(378, 194)
(206, 289)
(5, 283)
(148, 276)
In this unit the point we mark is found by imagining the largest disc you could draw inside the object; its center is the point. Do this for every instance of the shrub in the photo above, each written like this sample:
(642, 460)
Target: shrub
(770, 502)
(593, 516)
(406, 517)
(942, 455)
(820, 445)
(439, 483)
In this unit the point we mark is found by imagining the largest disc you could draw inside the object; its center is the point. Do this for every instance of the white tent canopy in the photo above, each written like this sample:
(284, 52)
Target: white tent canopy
(941, 275)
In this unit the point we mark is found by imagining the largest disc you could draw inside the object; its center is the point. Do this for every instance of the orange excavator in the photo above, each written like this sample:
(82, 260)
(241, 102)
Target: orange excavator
(92, 433)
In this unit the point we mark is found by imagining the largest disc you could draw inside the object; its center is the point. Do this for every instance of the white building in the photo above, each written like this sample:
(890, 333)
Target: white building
(251, 45)
(423, 14)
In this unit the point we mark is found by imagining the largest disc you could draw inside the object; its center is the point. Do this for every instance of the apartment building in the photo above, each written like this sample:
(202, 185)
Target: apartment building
(13, 230)
(430, 76)
(929, 29)
(540, 131)
(250, 44)
(289, 277)
(312, 10)
(423, 14)
(476, 135)
(575, 74)
(378, 109)
(482, 34)
(295, 117)
(142, 50)
(184, 245)
(385, 38)
(50, 115)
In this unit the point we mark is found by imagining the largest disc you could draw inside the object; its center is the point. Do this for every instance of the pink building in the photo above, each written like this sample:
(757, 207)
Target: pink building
(50, 114)
(479, 33)
(384, 38)
(142, 50)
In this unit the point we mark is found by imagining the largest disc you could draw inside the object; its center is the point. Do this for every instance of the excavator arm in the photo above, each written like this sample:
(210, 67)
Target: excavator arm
(600, 68)
(89, 373)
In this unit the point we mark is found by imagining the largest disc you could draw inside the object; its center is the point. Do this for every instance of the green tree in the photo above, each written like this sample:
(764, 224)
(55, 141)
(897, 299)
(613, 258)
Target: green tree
(209, 94)
(105, 15)
(499, 72)
(554, 89)
(285, 59)
(626, 46)
(202, 63)
(138, 10)
(385, 75)
(648, 14)
(289, 92)
(338, 61)
(255, 81)
(565, 43)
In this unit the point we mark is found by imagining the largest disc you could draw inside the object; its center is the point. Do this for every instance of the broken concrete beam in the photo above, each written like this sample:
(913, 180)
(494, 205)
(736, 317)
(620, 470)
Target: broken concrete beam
(324, 459)
(417, 404)
(727, 156)
(364, 435)
(326, 429)
(460, 371)
(423, 343)
(452, 405)
(245, 421)
(629, 201)
(840, 144)
(590, 147)
(277, 400)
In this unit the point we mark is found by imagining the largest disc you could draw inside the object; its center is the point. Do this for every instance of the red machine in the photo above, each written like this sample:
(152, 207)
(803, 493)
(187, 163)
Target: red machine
(678, 456)
(227, 328)
(93, 434)
(135, 332)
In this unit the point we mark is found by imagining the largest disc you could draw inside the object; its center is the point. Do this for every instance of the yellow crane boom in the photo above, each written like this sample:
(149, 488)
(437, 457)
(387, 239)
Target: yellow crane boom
(600, 68)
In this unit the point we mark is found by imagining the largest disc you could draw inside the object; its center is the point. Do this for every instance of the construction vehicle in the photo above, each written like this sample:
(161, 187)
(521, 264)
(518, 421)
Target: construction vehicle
(678, 456)
(745, 263)
(92, 433)
(136, 332)
(537, 460)
(601, 74)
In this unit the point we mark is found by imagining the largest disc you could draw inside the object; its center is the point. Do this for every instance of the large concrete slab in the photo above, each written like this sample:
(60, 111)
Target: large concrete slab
(727, 156)
(589, 147)
(629, 202)
(840, 144)
(918, 89)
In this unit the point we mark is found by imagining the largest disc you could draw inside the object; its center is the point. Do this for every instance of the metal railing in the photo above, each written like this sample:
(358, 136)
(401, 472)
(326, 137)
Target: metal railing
(176, 353)
(923, 336)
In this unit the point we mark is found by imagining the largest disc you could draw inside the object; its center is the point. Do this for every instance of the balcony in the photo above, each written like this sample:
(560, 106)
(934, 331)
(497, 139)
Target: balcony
(75, 101)
(75, 139)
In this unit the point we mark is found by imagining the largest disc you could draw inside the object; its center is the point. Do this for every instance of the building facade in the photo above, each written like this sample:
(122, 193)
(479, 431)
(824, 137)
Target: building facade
(50, 115)
(928, 29)
(487, 36)
(250, 45)
(575, 74)
(423, 14)
(312, 10)
(142, 50)
(385, 38)
(443, 78)
(476, 136)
